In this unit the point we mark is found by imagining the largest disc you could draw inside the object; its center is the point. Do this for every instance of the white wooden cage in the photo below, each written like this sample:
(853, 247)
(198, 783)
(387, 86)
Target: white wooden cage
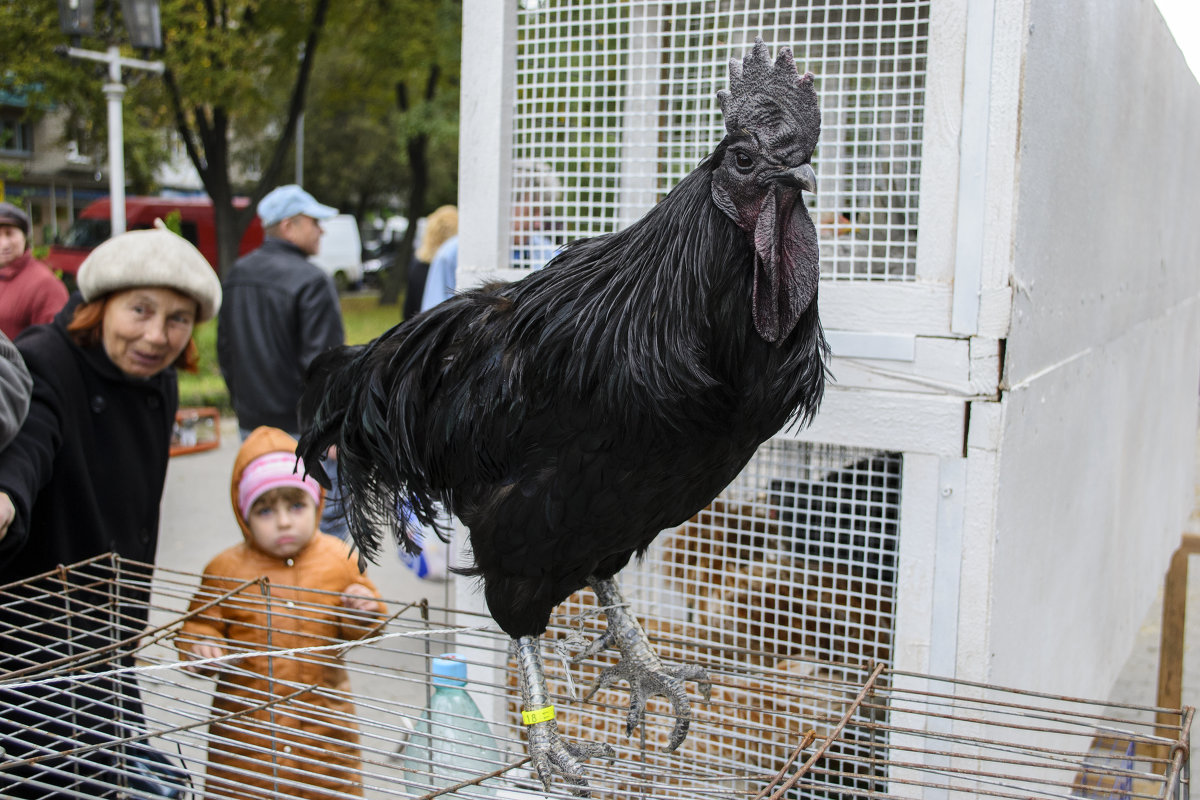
(996, 481)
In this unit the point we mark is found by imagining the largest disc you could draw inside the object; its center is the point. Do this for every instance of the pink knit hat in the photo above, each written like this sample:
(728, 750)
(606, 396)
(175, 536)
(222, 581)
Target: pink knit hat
(273, 471)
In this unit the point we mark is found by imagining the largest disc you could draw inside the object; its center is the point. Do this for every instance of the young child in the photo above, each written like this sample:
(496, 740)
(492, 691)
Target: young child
(306, 746)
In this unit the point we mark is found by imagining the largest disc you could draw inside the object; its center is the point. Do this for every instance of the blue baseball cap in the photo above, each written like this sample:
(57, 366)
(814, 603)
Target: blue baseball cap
(288, 201)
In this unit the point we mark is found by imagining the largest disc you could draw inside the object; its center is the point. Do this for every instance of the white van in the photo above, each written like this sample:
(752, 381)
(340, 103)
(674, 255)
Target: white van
(340, 251)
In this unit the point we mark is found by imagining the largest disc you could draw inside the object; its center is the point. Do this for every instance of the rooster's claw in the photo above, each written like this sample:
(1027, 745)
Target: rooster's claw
(641, 667)
(550, 754)
(645, 683)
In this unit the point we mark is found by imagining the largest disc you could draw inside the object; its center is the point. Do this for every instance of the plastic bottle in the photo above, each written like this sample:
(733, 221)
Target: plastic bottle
(451, 742)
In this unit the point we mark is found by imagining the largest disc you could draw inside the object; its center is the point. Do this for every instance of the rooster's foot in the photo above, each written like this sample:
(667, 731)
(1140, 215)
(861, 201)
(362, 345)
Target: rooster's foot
(641, 667)
(549, 753)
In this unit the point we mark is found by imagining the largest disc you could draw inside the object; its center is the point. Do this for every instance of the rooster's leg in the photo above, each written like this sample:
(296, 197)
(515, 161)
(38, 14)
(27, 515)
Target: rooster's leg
(640, 666)
(548, 751)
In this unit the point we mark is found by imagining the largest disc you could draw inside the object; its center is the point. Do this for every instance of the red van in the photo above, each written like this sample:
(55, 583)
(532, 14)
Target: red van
(196, 224)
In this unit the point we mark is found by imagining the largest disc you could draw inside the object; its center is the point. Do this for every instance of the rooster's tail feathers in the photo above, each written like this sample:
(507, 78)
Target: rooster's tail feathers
(354, 398)
(327, 394)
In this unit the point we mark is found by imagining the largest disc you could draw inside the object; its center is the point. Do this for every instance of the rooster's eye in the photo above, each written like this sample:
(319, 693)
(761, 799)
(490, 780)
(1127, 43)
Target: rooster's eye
(743, 162)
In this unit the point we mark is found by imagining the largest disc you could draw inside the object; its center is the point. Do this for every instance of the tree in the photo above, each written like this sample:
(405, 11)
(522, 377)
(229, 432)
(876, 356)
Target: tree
(350, 158)
(423, 80)
(227, 66)
(236, 75)
(44, 80)
(352, 131)
(382, 132)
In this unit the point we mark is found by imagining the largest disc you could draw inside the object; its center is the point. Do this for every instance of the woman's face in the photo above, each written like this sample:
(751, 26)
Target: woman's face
(145, 329)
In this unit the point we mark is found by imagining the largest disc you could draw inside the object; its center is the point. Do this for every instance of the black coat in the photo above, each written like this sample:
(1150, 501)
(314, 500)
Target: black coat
(418, 270)
(278, 313)
(86, 474)
(86, 471)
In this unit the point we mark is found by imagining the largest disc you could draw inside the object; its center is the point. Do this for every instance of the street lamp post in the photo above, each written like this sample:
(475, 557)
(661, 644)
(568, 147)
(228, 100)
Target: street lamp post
(142, 21)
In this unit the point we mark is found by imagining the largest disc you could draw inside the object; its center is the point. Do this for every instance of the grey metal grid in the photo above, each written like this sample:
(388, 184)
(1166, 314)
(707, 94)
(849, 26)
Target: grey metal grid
(615, 102)
(943, 738)
(794, 560)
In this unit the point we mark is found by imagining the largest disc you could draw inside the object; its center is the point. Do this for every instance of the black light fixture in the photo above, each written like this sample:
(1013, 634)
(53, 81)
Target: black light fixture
(77, 17)
(143, 23)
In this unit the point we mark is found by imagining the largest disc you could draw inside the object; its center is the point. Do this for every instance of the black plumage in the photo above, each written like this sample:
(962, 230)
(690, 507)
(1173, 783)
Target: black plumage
(567, 418)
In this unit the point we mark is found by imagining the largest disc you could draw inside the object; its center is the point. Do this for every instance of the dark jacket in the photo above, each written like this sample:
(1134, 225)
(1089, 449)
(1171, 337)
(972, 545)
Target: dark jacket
(417, 271)
(86, 475)
(279, 312)
(86, 471)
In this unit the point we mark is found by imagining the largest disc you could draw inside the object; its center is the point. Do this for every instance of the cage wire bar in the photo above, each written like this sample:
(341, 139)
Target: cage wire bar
(792, 727)
(615, 102)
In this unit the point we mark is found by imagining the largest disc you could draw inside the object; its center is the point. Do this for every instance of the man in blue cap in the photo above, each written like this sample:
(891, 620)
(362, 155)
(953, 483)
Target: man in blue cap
(280, 311)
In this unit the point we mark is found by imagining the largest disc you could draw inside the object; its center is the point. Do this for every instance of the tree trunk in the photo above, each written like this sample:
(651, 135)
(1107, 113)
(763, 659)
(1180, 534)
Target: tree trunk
(397, 276)
(418, 161)
(211, 129)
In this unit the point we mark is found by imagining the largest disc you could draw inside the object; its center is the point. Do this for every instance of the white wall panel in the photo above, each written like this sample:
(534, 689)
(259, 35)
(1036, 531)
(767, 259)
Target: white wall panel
(1107, 235)
(1094, 486)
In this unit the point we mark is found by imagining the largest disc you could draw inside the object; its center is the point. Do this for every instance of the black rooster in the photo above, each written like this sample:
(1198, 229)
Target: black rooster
(568, 418)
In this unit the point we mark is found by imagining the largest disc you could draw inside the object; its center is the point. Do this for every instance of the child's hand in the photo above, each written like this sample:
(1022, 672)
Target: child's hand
(204, 651)
(360, 598)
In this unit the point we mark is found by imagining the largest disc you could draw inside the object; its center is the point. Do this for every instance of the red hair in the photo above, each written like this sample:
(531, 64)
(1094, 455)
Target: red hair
(86, 329)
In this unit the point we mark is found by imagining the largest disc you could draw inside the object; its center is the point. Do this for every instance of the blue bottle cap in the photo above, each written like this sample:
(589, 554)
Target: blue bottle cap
(449, 670)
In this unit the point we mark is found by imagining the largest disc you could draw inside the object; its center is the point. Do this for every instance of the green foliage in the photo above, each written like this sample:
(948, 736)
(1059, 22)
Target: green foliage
(381, 99)
(45, 80)
(388, 50)
(235, 64)
(174, 221)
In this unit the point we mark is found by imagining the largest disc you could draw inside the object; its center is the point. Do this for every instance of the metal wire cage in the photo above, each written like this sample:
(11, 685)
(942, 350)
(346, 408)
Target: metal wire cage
(614, 103)
(96, 703)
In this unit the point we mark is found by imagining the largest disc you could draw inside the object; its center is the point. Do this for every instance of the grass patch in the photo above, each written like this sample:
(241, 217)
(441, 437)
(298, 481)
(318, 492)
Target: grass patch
(365, 319)
(362, 315)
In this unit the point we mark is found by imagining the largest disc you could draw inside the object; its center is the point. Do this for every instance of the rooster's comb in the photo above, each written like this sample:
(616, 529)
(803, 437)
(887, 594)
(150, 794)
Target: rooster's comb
(758, 88)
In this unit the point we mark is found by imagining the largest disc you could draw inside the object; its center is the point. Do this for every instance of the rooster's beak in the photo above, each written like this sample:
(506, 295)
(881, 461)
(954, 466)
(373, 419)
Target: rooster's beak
(801, 177)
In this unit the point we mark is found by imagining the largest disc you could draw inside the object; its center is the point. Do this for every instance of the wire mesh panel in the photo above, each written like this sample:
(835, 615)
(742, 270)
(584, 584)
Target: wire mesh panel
(120, 716)
(794, 560)
(616, 101)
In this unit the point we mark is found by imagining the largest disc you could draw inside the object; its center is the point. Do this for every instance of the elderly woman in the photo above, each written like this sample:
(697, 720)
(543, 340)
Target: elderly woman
(84, 477)
(85, 474)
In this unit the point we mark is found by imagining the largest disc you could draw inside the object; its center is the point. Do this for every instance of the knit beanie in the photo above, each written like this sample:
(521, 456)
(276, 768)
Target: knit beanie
(11, 215)
(273, 471)
(153, 257)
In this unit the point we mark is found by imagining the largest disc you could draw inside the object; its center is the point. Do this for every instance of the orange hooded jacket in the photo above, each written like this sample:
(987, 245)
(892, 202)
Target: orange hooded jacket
(306, 746)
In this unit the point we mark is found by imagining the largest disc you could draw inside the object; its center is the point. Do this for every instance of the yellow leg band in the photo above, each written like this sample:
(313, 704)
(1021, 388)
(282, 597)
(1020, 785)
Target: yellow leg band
(544, 714)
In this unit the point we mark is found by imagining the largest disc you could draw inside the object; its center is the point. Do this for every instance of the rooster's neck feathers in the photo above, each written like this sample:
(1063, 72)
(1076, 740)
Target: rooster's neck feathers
(654, 317)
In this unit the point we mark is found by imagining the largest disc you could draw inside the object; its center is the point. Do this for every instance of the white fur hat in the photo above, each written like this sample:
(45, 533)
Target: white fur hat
(154, 257)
